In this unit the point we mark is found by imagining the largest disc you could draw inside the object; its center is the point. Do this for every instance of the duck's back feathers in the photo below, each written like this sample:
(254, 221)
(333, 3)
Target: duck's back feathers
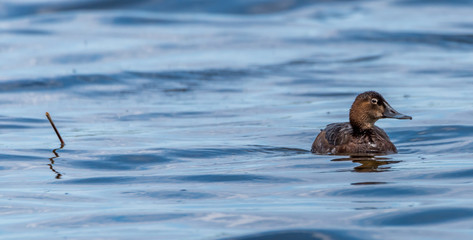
(340, 138)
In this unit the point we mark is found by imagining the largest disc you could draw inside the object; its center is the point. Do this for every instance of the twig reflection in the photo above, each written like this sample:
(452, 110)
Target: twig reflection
(369, 163)
(56, 155)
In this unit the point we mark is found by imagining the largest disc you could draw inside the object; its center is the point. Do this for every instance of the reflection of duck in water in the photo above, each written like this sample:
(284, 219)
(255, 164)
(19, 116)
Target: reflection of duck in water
(360, 135)
(369, 164)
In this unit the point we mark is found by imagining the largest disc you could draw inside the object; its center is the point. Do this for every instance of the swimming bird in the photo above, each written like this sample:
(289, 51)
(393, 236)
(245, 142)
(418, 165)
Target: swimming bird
(360, 135)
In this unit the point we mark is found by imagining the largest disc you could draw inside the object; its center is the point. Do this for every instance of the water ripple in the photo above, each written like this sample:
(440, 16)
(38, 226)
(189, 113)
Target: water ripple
(32, 32)
(179, 195)
(302, 235)
(122, 162)
(420, 217)
(436, 2)
(205, 178)
(61, 82)
(446, 137)
(205, 74)
(450, 41)
(462, 173)
(387, 192)
(99, 220)
(234, 177)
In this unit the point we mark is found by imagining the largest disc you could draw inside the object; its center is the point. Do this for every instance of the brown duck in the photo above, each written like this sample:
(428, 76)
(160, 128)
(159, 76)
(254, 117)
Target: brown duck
(360, 135)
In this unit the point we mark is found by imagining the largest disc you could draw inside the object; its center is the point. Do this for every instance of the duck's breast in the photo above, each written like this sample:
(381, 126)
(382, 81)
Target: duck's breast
(381, 142)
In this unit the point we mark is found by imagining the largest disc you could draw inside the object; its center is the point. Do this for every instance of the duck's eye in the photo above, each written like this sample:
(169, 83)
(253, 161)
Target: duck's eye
(374, 101)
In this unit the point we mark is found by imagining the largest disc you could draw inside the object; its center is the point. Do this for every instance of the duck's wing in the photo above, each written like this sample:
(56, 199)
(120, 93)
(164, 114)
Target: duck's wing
(333, 135)
(338, 133)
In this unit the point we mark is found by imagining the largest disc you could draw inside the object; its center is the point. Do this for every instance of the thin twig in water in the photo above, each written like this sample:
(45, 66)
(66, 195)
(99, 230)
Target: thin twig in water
(55, 129)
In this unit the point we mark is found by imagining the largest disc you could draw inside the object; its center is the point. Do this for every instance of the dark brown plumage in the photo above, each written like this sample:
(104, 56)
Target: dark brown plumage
(360, 135)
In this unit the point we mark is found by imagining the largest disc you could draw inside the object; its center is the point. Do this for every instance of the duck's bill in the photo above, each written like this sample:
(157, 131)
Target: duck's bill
(390, 112)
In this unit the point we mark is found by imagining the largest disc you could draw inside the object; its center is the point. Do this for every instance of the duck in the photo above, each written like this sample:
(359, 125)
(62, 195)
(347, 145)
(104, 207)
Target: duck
(359, 136)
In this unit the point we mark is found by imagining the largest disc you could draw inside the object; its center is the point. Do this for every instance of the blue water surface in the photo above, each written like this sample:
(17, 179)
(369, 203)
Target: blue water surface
(194, 119)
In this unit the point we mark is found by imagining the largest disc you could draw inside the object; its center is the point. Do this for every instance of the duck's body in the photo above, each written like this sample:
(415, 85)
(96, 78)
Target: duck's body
(360, 135)
(339, 138)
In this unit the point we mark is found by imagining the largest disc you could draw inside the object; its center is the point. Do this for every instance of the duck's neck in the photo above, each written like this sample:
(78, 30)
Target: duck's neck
(361, 122)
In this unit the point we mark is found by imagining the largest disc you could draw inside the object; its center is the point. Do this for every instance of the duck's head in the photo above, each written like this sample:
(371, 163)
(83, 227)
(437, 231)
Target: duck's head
(368, 108)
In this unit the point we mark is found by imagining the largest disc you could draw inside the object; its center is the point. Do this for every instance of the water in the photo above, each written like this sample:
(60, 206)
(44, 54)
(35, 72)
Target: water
(194, 119)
